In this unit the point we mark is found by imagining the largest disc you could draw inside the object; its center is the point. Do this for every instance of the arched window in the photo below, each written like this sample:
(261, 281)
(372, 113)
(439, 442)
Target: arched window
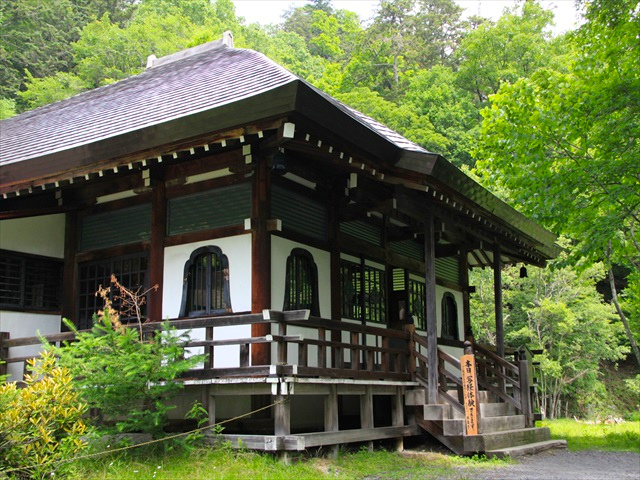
(449, 327)
(206, 283)
(301, 288)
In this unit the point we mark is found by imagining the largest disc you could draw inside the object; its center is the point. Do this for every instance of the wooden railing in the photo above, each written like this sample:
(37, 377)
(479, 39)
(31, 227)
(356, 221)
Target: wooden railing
(508, 381)
(300, 345)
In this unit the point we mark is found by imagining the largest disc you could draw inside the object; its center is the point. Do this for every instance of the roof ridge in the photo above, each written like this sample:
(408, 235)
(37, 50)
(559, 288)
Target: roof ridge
(225, 41)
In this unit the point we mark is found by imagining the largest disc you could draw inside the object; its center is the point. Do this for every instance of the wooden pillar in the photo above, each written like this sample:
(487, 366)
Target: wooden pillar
(497, 289)
(210, 405)
(430, 294)
(366, 411)
(282, 422)
(466, 309)
(397, 415)
(336, 294)
(156, 257)
(69, 274)
(261, 259)
(331, 417)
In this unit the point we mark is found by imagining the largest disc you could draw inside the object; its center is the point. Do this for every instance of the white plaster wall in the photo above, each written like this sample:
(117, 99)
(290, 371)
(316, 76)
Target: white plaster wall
(43, 235)
(20, 324)
(238, 252)
(280, 250)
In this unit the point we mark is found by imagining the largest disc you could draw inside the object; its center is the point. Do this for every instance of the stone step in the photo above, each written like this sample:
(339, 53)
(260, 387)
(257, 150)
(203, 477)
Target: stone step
(528, 449)
(496, 409)
(505, 439)
(502, 423)
(415, 397)
(456, 426)
(437, 412)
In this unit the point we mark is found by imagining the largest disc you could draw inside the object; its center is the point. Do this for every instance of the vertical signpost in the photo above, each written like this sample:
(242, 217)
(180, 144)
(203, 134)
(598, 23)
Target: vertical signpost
(470, 389)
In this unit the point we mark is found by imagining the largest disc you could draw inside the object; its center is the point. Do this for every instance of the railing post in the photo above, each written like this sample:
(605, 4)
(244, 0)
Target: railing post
(322, 352)
(4, 352)
(355, 351)
(525, 393)
(209, 350)
(281, 354)
(411, 348)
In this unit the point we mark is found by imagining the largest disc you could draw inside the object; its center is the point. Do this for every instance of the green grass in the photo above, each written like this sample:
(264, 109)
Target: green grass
(582, 436)
(219, 463)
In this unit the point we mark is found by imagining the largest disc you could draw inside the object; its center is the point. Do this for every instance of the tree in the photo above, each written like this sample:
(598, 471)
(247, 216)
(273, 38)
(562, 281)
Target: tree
(434, 94)
(514, 47)
(557, 310)
(565, 143)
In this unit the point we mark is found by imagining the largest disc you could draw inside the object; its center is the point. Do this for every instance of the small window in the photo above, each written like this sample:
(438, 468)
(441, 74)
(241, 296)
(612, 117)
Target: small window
(449, 327)
(131, 271)
(363, 292)
(29, 282)
(417, 303)
(301, 289)
(206, 283)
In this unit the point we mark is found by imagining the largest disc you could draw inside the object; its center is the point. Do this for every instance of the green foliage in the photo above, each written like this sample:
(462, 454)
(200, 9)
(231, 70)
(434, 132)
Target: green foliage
(41, 425)
(7, 108)
(128, 378)
(619, 437)
(516, 46)
(556, 309)
(577, 129)
(46, 90)
(224, 462)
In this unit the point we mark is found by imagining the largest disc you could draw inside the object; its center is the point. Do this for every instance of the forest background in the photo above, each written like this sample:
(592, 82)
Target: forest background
(548, 123)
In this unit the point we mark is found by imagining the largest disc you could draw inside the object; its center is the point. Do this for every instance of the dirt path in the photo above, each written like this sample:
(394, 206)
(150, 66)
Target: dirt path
(565, 465)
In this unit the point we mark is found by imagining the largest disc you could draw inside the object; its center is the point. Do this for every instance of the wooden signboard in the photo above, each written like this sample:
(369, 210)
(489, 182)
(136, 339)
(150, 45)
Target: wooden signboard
(470, 392)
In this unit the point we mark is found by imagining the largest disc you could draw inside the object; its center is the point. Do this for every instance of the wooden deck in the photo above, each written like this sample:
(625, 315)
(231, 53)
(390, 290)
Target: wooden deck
(329, 382)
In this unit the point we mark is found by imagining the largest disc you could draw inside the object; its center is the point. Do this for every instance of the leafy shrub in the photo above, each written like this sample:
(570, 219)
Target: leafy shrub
(125, 375)
(42, 424)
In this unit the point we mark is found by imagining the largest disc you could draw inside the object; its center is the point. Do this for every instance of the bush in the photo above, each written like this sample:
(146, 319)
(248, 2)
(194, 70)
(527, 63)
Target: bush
(124, 375)
(41, 425)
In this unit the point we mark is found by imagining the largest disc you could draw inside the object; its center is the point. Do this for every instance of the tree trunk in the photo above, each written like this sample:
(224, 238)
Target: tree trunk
(623, 317)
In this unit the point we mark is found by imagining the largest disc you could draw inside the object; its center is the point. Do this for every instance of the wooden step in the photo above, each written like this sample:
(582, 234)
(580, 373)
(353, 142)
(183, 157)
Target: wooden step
(414, 397)
(528, 449)
(456, 426)
(501, 423)
(496, 409)
(505, 439)
(437, 412)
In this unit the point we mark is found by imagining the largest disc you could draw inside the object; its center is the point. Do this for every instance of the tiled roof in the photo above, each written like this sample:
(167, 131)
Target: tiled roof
(204, 81)
(201, 82)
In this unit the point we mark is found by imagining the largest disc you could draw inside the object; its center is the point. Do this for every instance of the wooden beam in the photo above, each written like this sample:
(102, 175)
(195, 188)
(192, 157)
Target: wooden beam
(69, 274)
(261, 258)
(497, 289)
(156, 255)
(466, 310)
(331, 416)
(430, 294)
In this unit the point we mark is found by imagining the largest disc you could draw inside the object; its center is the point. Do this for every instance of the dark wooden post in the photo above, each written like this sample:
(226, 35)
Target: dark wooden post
(525, 393)
(156, 257)
(261, 259)
(466, 309)
(397, 415)
(336, 296)
(366, 411)
(69, 274)
(411, 347)
(497, 290)
(4, 352)
(430, 294)
(331, 416)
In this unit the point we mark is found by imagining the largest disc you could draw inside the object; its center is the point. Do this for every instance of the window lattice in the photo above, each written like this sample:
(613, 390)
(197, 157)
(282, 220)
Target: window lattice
(130, 271)
(363, 292)
(301, 290)
(29, 282)
(206, 283)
